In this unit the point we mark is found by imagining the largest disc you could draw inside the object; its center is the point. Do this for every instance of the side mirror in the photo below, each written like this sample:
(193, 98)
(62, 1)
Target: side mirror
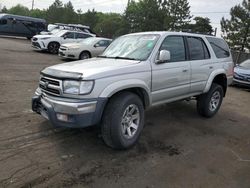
(96, 45)
(164, 56)
(65, 36)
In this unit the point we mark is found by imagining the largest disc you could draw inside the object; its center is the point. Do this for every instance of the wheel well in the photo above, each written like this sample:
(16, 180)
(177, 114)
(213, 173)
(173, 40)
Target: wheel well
(221, 79)
(140, 92)
(87, 52)
(53, 42)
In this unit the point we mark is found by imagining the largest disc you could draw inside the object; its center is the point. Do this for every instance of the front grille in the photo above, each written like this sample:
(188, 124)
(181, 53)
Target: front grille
(36, 44)
(242, 77)
(50, 86)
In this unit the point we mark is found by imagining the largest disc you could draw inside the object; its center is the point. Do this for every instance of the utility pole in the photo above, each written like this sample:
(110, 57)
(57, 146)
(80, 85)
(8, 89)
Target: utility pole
(32, 7)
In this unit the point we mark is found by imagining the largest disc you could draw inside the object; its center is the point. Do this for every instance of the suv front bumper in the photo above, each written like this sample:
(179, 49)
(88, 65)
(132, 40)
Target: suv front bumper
(73, 113)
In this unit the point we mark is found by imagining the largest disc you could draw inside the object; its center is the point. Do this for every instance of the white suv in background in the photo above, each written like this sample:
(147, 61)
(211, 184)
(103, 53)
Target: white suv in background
(52, 42)
(90, 47)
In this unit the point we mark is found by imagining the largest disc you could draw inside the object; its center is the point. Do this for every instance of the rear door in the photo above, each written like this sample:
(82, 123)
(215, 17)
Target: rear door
(201, 63)
(171, 79)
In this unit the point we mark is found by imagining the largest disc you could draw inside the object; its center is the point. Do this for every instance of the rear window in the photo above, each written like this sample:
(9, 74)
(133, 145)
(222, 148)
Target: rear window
(220, 47)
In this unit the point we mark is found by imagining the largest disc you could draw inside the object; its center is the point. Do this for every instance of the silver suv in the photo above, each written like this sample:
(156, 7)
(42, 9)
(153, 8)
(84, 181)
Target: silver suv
(135, 72)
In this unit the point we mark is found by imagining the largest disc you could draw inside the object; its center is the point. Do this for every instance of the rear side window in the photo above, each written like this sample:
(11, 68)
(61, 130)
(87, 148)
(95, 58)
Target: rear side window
(197, 48)
(219, 46)
(82, 36)
(175, 45)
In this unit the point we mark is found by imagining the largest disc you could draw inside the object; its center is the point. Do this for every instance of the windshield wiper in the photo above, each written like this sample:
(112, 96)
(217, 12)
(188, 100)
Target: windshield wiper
(116, 57)
(102, 56)
(128, 58)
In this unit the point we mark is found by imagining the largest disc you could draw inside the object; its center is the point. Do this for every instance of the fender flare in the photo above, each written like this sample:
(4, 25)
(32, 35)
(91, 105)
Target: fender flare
(123, 85)
(211, 78)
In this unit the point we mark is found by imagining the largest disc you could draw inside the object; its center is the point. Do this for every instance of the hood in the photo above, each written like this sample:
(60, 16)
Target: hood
(72, 45)
(93, 68)
(42, 36)
(242, 70)
(45, 33)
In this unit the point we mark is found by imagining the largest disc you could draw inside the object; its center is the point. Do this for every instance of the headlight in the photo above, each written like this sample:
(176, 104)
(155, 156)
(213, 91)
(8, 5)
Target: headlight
(45, 38)
(77, 87)
(74, 48)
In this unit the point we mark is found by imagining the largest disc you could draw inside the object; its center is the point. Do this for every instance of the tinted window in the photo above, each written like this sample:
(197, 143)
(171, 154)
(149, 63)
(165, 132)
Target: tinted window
(103, 43)
(175, 45)
(70, 35)
(219, 46)
(3, 22)
(82, 36)
(197, 48)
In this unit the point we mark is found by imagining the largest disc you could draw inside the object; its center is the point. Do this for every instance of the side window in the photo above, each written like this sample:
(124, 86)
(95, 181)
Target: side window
(82, 36)
(219, 46)
(175, 45)
(197, 48)
(103, 43)
(70, 35)
(3, 22)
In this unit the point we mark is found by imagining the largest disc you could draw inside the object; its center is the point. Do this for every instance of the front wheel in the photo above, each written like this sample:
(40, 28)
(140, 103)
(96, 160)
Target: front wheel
(209, 103)
(53, 47)
(123, 121)
(84, 55)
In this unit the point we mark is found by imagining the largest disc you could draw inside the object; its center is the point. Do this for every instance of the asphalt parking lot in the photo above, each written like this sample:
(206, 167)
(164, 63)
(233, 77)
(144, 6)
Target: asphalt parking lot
(178, 148)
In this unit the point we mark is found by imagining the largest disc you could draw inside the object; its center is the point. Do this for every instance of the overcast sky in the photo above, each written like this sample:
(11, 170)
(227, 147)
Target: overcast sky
(213, 9)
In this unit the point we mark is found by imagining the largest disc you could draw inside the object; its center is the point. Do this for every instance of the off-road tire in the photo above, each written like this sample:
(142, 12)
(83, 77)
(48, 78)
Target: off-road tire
(111, 126)
(204, 100)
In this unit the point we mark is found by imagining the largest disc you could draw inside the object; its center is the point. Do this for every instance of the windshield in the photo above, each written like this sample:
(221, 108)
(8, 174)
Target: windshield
(89, 40)
(246, 64)
(60, 33)
(137, 47)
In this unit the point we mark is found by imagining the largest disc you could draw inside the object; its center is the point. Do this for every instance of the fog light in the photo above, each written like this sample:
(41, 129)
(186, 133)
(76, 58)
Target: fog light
(62, 117)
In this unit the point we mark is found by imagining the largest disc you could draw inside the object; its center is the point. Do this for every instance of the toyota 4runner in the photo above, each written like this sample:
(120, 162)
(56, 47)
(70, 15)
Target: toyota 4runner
(135, 72)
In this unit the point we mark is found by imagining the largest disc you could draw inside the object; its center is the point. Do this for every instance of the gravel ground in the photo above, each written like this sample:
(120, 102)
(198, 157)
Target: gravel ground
(178, 148)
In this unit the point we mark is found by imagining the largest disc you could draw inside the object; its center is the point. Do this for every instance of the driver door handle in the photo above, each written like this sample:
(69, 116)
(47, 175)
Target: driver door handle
(184, 70)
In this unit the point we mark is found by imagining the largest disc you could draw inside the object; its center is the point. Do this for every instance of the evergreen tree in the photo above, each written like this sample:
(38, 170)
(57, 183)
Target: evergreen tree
(177, 14)
(236, 30)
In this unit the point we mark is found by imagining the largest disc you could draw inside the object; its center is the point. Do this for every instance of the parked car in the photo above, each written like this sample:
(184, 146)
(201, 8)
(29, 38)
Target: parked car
(90, 47)
(135, 72)
(52, 42)
(242, 74)
(21, 26)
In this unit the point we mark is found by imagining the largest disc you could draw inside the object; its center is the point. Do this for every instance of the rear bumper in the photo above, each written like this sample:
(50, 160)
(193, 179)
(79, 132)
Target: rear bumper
(229, 80)
(80, 113)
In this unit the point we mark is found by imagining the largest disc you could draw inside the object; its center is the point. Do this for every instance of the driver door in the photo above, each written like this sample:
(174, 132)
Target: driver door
(68, 37)
(99, 47)
(171, 80)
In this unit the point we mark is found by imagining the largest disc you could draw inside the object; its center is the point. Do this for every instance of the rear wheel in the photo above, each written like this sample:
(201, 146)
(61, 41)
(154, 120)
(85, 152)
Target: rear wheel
(84, 55)
(209, 103)
(53, 47)
(123, 121)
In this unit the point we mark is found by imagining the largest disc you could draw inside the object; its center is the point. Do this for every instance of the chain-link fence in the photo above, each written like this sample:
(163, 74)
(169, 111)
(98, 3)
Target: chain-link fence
(239, 57)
